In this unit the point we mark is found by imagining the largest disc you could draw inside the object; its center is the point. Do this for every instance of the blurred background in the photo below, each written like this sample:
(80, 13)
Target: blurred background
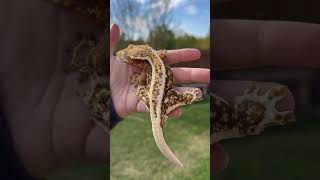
(163, 24)
(290, 152)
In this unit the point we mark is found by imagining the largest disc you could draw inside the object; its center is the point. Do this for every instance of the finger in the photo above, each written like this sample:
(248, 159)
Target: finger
(184, 89)
(114, 35)
(97, 145)
(141, 107)
(229, 89)
(177, 112)
(249, 43)
(182, 55)
(191, 75)
(219, 159)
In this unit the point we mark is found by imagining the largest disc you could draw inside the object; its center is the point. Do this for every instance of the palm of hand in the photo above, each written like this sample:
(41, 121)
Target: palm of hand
(41, 106)
(122, 91)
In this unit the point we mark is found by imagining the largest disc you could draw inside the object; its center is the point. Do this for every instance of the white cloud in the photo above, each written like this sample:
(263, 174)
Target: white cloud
(161, 5)
(191, 9)
(141, 1)
(176, 3)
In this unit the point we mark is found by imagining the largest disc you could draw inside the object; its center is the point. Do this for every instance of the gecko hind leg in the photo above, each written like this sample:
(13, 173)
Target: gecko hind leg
(174, 99)
(275, 94)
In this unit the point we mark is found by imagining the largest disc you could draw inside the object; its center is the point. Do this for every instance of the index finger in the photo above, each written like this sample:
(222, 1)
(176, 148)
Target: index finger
(182, 55)
(251, 43)
(191, 75)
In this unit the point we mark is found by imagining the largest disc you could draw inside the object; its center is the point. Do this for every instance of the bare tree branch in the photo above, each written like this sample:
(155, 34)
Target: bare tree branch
(138, 17)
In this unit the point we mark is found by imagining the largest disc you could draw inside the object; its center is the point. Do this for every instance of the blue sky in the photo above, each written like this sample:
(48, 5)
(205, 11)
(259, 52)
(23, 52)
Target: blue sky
(193, 16)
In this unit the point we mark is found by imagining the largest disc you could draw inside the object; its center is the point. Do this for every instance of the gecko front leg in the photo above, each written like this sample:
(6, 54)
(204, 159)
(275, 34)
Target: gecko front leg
(142, 90)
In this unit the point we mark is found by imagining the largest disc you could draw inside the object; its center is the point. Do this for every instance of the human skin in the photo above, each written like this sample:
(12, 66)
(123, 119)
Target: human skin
(256, 43)
(49, 123)
(123, 92)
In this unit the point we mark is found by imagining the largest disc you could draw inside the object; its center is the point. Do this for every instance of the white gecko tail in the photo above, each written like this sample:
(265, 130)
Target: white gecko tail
(163, 147)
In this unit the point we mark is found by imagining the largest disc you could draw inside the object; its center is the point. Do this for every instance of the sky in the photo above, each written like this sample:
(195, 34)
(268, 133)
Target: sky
(191, 16)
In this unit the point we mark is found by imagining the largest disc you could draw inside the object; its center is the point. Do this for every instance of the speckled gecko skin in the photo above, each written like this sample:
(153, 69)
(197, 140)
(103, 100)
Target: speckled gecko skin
(89, 60)
(154, 86)
(248, 114)
(90, 64)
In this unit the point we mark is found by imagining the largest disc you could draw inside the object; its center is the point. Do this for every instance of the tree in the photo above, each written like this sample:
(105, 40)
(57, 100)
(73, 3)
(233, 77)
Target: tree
(159, 13)
(125, 13)
(161, 38)
(142, 17)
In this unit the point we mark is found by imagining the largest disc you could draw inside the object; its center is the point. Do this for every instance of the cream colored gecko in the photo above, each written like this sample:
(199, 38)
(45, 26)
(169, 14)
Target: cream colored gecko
(248, 114)
(154, 86)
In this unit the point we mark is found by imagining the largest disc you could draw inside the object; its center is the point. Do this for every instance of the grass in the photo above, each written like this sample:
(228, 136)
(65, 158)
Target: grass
(134, 154)
(82, 171)
(280, 153)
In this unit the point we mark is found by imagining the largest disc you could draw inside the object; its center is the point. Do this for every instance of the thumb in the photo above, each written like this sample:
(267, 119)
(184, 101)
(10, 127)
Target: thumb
(114, 35)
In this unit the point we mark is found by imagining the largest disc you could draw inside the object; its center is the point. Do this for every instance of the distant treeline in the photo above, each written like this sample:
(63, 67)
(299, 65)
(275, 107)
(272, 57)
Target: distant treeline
(163, 38)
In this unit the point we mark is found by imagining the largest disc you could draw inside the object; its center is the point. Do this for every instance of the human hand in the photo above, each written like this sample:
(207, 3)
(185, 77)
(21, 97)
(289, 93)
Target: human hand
(49, 123)
(123, 93)
(257, 43)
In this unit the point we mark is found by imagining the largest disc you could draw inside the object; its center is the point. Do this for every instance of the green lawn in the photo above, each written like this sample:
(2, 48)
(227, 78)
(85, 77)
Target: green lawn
(82, 171)
(134, 154)
(280, 153)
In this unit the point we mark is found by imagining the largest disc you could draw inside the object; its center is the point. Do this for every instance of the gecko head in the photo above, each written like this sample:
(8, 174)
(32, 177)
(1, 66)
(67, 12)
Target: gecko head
(122, 55)
(132, 52)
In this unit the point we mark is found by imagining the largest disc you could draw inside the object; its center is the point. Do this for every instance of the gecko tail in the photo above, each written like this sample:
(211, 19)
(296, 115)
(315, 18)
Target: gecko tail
(163, 147)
